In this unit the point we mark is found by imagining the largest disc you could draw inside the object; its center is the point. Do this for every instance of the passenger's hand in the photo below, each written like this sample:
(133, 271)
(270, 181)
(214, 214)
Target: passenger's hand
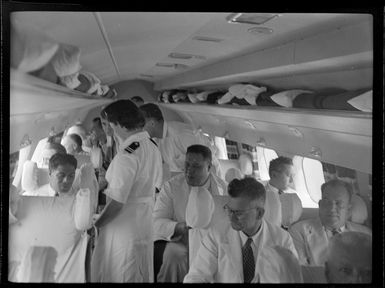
(181, 229)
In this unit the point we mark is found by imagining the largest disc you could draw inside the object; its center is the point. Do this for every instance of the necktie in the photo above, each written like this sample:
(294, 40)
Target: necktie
(280, 192)
(248, 261)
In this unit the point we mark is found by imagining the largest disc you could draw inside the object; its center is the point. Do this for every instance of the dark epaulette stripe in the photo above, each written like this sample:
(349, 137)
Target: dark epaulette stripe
(152, 140)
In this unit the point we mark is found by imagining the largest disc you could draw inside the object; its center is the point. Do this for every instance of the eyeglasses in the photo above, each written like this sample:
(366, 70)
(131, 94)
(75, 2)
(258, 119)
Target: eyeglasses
(329, 203)
(237, 213)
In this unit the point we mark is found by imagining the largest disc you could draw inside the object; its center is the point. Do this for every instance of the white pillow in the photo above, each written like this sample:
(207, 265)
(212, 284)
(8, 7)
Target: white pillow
(363, 102)
(29, 178)
(66, 60)
(200, 208)
(286, 98)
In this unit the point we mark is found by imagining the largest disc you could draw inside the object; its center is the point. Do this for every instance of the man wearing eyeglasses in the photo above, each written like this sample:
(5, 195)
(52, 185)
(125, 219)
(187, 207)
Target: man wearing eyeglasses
(311, 237)
(242, 251)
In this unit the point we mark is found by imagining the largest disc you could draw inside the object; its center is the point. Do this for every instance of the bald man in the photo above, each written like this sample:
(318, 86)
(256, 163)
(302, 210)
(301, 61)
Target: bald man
(349, 258)
(73, 144)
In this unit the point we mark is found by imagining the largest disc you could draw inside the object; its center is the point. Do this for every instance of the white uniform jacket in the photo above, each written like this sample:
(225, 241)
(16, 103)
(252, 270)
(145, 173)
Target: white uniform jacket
(124, 249)
(273, 209)
(311, 240)
(170, 206)
(219, 257)
(177, 137)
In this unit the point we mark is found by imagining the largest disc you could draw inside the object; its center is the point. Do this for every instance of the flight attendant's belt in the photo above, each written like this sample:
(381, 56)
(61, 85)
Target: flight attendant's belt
(146, 200)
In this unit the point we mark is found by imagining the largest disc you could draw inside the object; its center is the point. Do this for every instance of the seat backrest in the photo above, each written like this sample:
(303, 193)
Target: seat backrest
(38, 265)
(359, 211)
(33, 177)
(291, 207)
(231, 166)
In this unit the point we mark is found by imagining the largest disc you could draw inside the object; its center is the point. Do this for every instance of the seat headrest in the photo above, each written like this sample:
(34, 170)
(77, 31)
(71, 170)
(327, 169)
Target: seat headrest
(96, 157)
(359, 211)
(291, 208)
(233, 173)
(245, 164)
(32, 176)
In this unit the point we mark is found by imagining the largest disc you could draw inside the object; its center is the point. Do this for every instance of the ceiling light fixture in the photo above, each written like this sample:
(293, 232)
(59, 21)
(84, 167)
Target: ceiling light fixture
(249, 18)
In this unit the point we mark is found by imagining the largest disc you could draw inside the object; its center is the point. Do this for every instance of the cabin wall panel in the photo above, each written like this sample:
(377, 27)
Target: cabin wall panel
(347, 150)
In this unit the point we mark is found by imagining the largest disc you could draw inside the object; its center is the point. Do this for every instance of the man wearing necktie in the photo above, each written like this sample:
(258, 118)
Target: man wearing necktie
(311, 236)
(281, 173)
(249, 249)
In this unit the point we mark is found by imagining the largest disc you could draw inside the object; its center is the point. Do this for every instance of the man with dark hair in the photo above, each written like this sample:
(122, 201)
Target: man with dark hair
(240, 252)
(55, 221)
(124, 247)
(185, 202)
(174, 138)
(311, 237)
(281, 176)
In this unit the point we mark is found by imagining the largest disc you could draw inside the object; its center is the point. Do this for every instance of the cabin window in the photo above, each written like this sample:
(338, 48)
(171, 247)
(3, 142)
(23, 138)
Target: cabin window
(232, 149)
(264, 156)
(220, 143)
(314, 177)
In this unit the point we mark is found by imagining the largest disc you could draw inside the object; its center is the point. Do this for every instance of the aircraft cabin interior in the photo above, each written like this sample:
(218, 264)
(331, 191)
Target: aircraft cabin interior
(255, 85)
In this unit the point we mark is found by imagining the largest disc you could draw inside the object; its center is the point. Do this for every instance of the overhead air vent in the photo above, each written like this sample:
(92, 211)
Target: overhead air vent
(250, 18)
(167, 65)
(260, 30)
(185, 56)
(172, 65)
(207, 39)
(146, 75)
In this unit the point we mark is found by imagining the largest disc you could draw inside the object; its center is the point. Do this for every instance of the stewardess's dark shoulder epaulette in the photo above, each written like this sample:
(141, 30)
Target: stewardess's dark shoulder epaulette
(133, 146)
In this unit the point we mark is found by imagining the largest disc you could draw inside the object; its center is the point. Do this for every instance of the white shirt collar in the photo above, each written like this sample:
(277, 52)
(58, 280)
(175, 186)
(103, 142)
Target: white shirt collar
(207, 185)
(135, 137)
(255, 237)
(272, 188)
(51, 192)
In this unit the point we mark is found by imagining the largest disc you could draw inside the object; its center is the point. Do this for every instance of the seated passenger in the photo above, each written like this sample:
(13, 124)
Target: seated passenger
(241, 253)
(50, 149)
(174, 138)
(281, 175)
(173, 208)
(73, 144)
(56, 222)
(311, 237)
(349, 258)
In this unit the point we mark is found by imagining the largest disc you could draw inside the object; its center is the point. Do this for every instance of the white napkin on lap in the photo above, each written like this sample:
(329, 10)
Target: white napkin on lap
(200, 208)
